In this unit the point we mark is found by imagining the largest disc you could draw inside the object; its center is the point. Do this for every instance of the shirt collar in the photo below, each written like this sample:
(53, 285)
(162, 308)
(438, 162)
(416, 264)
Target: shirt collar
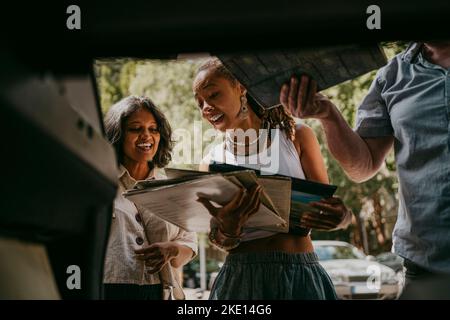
(128, 181)
(412, 52)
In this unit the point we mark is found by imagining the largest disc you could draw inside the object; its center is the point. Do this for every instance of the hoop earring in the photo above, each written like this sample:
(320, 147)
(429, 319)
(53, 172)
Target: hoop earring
(243, 112)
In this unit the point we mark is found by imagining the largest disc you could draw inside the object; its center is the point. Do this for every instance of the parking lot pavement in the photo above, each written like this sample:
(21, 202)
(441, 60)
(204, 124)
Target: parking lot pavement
(196, 294)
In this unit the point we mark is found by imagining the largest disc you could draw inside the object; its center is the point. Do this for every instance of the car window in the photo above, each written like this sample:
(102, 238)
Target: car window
(337, 252)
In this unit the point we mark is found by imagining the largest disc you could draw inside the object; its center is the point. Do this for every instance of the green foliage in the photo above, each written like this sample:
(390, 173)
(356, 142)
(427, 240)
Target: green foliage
(113, 80)
(169, 85)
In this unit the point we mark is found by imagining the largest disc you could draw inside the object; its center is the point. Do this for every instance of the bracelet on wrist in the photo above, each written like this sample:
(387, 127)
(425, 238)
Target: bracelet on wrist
(229, 235)
(223, 240)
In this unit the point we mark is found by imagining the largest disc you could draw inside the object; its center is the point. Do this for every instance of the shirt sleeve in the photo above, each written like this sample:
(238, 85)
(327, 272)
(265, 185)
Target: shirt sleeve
(188, 239)
(372, 119)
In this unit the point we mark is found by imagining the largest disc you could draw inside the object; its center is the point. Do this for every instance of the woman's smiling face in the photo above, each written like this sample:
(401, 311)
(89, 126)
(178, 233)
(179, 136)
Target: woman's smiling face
(218, 99)
(141, 136)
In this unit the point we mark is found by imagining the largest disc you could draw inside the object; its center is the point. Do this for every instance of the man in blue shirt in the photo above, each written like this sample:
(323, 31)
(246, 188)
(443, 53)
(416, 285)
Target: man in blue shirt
(408, 107)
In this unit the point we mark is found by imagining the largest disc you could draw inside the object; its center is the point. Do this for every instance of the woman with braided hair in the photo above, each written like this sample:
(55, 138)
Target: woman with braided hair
(263, 264)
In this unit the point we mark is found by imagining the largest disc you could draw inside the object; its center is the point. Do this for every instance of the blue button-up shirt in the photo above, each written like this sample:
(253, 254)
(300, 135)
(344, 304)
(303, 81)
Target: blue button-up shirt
(410, 100)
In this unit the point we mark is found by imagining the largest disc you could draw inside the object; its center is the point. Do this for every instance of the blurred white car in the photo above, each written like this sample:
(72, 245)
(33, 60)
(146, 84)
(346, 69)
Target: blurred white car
(355, 275)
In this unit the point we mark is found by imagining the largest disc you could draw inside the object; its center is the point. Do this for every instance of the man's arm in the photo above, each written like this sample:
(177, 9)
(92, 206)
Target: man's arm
(360, 157)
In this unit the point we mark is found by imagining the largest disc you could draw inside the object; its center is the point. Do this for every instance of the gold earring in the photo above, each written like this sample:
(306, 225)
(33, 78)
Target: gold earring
(243, 113)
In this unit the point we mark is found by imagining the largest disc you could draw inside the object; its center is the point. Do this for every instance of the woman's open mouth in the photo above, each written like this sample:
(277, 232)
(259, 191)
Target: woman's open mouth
(145, 147)
(218, 118)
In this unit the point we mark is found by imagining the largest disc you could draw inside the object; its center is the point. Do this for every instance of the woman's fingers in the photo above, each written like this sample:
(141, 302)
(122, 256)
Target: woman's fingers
(236, 202)
(240, 214)
(332, 200)
(314, 221)
(145, 250)
(154, 268)
(254, 210)
(154, 256)
(208, 205)
(150, 252)
(321, 217)
(315, 226)
(324, 214)
(255, 202)
(330, 206)
(252, 194)
(241, 199)
(328, 209)
(153, 262)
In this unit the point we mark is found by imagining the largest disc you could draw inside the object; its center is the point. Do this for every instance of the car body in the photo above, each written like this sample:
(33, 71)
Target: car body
(355, 275)
(192, 274)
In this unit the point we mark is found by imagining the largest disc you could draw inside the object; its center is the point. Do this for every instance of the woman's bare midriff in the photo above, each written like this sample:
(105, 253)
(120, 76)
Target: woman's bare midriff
(278, 242)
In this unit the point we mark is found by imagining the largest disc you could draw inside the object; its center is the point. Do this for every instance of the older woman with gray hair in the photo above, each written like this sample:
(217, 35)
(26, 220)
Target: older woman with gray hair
(144, 252)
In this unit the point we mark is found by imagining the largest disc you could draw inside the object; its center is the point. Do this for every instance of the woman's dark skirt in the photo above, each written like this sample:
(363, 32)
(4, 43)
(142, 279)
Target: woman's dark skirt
(272, 276)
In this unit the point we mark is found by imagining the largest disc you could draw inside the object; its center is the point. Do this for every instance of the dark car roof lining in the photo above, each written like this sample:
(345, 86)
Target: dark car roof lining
(148, 29)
